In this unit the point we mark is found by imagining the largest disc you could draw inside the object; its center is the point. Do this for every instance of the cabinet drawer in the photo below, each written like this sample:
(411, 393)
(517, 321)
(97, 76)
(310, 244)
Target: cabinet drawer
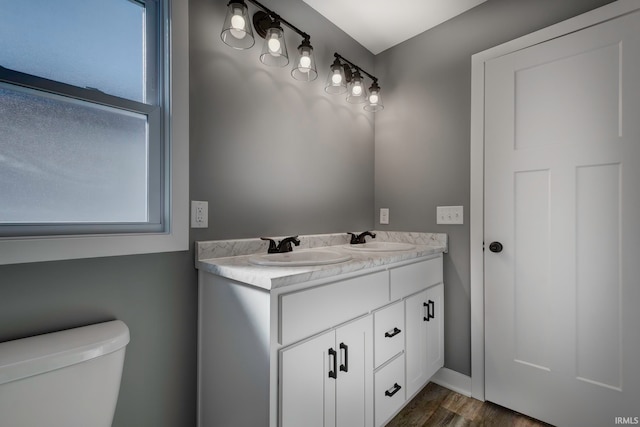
(389, 332)
(309, 311)
(389, 390)
(412, 278)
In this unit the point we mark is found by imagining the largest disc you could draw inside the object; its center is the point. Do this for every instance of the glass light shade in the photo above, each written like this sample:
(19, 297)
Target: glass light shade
(304, 69)
(336, 81)
(237, 31)
(274, 49)
(374, 100)
(356, 93)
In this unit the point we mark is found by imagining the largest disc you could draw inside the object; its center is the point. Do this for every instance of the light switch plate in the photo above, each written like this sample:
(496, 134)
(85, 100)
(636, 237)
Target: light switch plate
(384, 215)
(199, 214)
(449, 215)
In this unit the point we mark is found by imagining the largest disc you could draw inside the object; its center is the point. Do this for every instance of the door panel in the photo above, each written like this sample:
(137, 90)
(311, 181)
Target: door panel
(307, 393)
(354, 391)
(416, 342)
(562, 162)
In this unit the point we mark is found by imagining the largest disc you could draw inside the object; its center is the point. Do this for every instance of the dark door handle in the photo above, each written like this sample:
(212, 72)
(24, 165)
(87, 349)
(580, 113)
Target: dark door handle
(345, 366)
(393, 333)
(495, 247)
(393, 390)
(431, 311)
(333, 374)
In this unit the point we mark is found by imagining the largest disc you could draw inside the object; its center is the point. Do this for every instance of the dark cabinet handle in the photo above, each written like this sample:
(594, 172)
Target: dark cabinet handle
(345, 366)
(393, 390)
(333, 374)
(431, 310)
(393, 333)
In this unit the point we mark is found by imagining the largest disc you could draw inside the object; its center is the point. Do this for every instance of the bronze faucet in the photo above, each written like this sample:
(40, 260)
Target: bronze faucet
(282, 246)
(358, 239)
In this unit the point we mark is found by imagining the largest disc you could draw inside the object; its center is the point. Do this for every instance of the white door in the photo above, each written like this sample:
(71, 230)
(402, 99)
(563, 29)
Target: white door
(562, 195)
(307, 383)
(416, 342)
(354, 385)
(435, 332)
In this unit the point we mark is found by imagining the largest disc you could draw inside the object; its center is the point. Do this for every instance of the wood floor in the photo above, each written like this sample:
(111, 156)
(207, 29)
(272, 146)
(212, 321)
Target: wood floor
(438, 406)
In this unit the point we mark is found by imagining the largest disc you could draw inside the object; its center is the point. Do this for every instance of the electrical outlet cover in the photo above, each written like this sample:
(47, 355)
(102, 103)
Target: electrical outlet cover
(199, 214)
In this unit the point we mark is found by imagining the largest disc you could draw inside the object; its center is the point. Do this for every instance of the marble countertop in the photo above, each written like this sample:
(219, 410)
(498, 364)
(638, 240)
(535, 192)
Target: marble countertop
(230, 258)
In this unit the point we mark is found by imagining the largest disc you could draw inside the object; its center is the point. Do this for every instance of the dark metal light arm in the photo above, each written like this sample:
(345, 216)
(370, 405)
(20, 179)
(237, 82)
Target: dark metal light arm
(337, 55)
(277, 17)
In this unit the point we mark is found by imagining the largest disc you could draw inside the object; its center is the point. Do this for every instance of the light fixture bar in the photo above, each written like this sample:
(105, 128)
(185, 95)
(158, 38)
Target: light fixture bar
(279, 18)
(337, 55)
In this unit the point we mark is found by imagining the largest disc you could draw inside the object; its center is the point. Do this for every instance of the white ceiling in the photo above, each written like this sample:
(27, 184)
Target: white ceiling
(380, 24)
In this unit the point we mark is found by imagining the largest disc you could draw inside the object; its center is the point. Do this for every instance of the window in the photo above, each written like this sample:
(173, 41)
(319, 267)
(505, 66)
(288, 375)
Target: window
(87, 147)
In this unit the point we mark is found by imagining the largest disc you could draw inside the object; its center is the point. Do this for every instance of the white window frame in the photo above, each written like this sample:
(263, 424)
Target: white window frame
(14, 250)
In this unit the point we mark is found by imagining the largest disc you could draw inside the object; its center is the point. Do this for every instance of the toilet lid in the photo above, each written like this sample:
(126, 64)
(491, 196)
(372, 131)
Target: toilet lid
(26, 357)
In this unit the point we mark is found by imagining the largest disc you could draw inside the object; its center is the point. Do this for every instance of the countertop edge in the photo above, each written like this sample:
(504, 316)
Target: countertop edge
(239, 269)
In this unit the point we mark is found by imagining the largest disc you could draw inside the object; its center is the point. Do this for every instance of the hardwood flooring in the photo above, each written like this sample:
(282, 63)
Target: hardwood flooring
(438, 406)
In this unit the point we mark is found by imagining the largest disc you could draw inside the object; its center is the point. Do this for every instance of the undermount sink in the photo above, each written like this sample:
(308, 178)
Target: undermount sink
(300, 258)
(381, 246)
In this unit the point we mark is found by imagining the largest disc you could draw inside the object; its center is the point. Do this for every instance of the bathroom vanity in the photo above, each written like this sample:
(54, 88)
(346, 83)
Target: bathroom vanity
(339, 344)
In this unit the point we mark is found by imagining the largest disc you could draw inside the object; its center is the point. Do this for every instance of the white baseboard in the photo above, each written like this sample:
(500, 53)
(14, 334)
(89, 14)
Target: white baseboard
(453, 380)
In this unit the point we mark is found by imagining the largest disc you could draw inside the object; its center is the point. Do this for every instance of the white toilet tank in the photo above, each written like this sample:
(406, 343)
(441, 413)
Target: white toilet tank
(63, 379)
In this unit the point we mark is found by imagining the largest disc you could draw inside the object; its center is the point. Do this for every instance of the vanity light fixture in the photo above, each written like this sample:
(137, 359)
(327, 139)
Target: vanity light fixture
(374, 100)
(337, 79)
(345, 76)
(237, 33)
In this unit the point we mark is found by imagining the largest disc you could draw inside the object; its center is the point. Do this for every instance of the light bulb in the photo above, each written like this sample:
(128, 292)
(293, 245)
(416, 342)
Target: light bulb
(274, 45)
(356, 90)
(336, 78)
(305, 63)
(373, 99)
(238, 25)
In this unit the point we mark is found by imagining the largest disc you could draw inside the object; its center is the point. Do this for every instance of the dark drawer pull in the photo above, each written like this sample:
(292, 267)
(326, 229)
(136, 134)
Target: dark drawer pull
(396, 388)
(393, 333)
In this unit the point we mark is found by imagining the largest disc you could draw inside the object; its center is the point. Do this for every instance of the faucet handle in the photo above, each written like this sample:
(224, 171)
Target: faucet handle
(354, 238)
(272, 245)
(285, 244)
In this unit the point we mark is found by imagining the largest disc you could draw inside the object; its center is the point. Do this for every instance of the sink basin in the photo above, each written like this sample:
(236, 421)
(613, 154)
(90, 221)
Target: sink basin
(381, 247)
(300, 258)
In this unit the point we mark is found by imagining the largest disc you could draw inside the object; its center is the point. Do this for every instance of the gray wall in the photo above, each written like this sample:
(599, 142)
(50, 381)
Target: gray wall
(272, 155)
(422, 137)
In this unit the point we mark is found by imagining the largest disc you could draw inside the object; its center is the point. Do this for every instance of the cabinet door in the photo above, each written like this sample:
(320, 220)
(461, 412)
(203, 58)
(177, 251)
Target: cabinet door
(416, 326)
(435, 329)
(307, 392)
(354, 385)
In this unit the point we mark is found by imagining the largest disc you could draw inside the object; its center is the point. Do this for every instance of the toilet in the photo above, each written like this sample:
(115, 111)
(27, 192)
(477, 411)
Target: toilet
(69, 378)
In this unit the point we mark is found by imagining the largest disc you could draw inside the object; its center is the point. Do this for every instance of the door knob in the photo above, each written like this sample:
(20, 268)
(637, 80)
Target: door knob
(495, 247)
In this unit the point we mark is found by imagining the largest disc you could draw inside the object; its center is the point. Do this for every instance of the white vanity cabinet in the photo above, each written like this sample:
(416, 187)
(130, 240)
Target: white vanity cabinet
(342, 351)
(424, 353)
(421, 286)
(326, 381)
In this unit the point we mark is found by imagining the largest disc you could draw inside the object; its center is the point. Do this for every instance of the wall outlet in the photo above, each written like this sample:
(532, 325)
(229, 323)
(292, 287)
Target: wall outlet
(384, 215)
(199, 214)
(449, 215)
